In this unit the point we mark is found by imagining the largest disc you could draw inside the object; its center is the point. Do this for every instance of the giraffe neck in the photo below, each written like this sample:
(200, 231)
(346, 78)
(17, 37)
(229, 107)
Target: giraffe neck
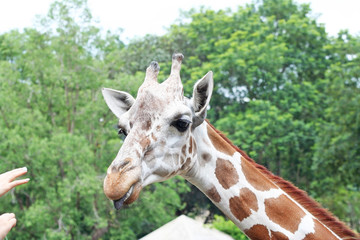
(257, 205)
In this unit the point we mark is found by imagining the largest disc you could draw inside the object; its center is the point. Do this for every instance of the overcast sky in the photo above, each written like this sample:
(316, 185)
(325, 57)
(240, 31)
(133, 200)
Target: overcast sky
(138, 18)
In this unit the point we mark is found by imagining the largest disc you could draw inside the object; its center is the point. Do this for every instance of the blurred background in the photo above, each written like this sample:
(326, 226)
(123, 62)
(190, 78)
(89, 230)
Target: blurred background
(287, 92)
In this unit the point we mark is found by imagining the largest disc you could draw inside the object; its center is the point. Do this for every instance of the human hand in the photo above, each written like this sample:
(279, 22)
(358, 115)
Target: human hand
(7, 222)
(7, 179)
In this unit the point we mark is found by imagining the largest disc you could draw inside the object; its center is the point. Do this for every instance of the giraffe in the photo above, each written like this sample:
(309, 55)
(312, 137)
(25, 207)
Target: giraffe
(167, 135)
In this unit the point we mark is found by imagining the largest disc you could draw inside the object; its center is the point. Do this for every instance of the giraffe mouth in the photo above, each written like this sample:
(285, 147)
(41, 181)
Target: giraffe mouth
(118, 204)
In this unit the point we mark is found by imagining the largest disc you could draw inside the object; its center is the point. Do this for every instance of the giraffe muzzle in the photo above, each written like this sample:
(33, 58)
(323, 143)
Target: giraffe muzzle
(121, 185)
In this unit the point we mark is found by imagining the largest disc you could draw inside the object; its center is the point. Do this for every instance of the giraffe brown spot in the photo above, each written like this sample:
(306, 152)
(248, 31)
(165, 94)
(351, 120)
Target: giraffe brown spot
(191, 145)
(284, 212)
(278, 236)
(146, 126)
(258, 232)
(241, 206)
(219, 143)
(254, 177)
(138, 154)
(226, 173)
(213, 194)
(144, 143)
(194, 147)
(321, 232)
(153, 137)
(310, 236)
(158, 127)
(142, 105)
(183, 150)
(205, 157)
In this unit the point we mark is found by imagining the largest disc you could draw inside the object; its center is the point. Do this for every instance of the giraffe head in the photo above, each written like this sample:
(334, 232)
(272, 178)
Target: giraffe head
(158, 125)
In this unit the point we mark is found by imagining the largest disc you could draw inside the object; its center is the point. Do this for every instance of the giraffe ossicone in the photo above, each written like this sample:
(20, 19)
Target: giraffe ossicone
(167, 135)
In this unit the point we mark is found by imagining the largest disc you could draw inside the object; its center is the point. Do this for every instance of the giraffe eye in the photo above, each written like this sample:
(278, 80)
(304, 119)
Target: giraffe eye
(122, 133)
(181, 124)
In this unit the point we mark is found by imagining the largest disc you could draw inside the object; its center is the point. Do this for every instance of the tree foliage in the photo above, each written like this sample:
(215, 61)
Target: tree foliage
(228, 227)
(55, 122)
(286, 93)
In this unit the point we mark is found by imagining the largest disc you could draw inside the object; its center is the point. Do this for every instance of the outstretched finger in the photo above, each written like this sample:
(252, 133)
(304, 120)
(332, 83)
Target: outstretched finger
(19, 182)
(13, 174)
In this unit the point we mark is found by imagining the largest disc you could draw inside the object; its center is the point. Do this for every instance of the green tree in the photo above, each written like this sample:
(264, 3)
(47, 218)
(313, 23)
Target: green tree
(285, 92)
(54, 121)
(269, 59)
(337, 155)
(275, 72)
(227, 226)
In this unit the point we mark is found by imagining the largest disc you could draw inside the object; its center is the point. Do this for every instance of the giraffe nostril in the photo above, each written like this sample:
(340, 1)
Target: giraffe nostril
(123, 164)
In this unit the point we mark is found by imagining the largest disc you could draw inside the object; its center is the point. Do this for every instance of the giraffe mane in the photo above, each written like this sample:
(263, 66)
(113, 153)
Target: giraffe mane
(300, 196)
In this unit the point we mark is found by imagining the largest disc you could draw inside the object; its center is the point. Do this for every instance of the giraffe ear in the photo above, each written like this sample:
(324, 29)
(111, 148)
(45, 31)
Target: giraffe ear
(201, 98)
(119, 102)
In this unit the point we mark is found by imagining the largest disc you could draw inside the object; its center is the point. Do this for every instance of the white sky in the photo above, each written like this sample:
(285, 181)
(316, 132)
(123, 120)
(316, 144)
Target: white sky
(138, 18)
